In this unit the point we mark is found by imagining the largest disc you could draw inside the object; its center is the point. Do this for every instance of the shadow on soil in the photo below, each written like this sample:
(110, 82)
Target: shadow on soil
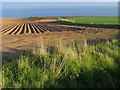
(99, 41)
(15, 53)
(89, 25)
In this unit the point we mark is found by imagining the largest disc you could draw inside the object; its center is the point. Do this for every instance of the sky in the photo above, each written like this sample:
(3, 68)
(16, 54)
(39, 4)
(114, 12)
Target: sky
(27, 9)
(28, 5)
(25, 5)
(60, 0)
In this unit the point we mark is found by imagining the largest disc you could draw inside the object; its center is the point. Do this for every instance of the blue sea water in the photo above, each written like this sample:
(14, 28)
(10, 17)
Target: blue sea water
(28, 9)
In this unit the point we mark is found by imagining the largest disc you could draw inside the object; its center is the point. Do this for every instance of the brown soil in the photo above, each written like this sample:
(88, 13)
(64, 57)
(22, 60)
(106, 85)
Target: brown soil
(25, 33)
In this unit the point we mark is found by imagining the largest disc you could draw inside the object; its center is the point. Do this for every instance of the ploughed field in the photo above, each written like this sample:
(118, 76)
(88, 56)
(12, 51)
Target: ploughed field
(26, 33)
(32, 25)
(62, 54)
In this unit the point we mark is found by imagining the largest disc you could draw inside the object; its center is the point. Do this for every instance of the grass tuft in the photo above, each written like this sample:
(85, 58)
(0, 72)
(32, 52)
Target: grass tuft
(72, 65)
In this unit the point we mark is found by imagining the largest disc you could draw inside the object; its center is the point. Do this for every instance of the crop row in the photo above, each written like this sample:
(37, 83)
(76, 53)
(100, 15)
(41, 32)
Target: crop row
(30, 26)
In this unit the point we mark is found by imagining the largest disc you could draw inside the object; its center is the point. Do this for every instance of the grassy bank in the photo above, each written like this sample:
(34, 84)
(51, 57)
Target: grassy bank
(72, 65)
(87, 21)
(91, 21)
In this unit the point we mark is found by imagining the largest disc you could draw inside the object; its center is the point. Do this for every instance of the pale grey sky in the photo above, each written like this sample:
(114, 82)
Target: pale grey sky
(60, 0)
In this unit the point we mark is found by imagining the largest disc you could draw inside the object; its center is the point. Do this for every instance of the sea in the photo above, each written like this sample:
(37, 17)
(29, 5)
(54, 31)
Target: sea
(40, 9)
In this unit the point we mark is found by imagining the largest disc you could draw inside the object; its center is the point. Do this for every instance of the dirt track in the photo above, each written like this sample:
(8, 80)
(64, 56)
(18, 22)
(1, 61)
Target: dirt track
(25, 33)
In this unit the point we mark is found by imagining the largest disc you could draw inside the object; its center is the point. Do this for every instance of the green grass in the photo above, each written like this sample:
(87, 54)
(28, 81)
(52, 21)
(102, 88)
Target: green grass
(93, 19)
(88, 21)
(72, 65)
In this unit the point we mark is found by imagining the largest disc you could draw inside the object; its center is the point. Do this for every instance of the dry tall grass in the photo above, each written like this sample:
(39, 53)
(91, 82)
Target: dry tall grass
(73, 65)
